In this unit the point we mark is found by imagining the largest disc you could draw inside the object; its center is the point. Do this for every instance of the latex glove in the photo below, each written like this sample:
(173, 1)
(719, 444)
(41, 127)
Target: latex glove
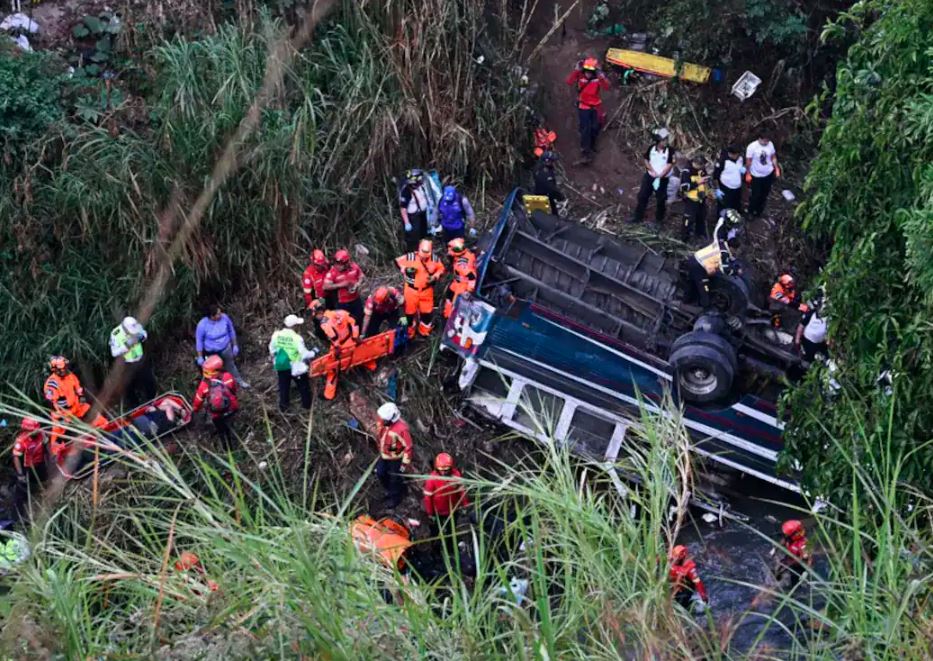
(403, 321)
(473, 232)
(132, 340)
(200, 361)
(743, 169)
(748, 177)
(657, 183)
(407, 226)
(236, 350)
(719, 194)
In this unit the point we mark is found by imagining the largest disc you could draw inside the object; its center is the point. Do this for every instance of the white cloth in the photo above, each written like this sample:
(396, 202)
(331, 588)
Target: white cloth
(760, 156)
(418, 200)
(815, 330)
(731, 175)
(659, 160)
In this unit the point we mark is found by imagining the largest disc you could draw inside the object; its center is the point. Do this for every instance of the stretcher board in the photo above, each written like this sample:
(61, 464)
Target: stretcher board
(386, 539)
(658, 65)
(368, 350)
(121, 426)
(433, 190)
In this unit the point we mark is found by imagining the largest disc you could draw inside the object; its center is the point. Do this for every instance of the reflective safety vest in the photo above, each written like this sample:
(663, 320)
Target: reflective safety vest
(710, 257)
(693, 189)
(464, 272)
(339, 327)
(418, 274)
(118, 338)
(288, 341)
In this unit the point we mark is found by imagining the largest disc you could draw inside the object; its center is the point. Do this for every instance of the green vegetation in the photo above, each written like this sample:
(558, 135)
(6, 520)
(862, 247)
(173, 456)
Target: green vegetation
(870, 193)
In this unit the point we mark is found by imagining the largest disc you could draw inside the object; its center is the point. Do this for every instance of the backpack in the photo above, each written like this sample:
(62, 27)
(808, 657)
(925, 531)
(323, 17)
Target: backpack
(281, 361)
(219, 399)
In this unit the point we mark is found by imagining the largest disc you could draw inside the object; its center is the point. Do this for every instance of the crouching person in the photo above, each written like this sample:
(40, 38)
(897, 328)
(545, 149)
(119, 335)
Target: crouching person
(217, 392)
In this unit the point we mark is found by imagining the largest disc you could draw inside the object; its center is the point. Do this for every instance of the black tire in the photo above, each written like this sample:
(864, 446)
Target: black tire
(703, 374)
(711, 322)
(710, 340)
(728, 294)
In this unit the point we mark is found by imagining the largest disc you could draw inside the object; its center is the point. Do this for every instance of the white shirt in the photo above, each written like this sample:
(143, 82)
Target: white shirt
(659, 159)
(761, 156)
(418, 200)
(815, 330)
(731, 175)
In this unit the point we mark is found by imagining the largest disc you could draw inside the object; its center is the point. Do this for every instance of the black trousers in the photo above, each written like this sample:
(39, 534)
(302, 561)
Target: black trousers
(355, 308)
(810, 349)
(695, 218)
(731, 199)
(589, 129)
(450, 235)
(285, 385)
(699, 281)
(644, 194)
(761, 188)
(684, 596)
(26, 492)
(419, 230)
(389, 472)
(140, 385)
(376, 321)
(223, 425)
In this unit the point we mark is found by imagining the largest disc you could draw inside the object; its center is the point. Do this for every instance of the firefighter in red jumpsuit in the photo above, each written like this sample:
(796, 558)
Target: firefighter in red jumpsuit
(443, 491)
(29, 460)
(217, 393)
(312, 281)
(797, 559)
(345, 278)
(590, 82)
(685, 581)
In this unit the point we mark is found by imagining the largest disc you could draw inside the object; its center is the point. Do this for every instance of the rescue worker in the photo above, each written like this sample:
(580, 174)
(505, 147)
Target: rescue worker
(413, 204)
(317, 308)
(345, 278)
(797, 559)
(30, 450)
(188, 561)
(443, 491)
(685, 580)
(463, 269)
(695, 188)
(728, 178)
(395, 453)
(659, 161)
(762, 168)
(312, 281)
(343, 335)
(454, 212)
(784, 295)
(714, 258)
(218, 391)
(590, 82)
(64, 392)
(810, 338)
(290, 359)
(421, 270)
(126, 344)
(384, 306)
(546, 180)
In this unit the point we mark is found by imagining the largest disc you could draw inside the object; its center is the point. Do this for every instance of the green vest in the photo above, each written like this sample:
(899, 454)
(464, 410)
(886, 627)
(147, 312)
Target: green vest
(286, 341)
(119, 337)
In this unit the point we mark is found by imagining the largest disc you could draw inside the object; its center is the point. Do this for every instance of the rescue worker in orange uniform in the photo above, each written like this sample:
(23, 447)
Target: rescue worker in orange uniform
(590, 82)
(385, 305)
(685, 581)
(29, 461)
(421, 270)
(395, 453)
(345, 278)
(463, 268)
(312, 282)
(64, 392)
(343, 333)
(794, 563)
(784, 295)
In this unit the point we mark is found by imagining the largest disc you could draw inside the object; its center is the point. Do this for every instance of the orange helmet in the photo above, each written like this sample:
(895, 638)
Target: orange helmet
(58, 362)
(425, 248)
(679, 552)
(342, 257)
(792, 528)
(29, 424)
(318, 258)
(456, 246)
(381, 294)
(443, 462)
(787, 280)
(590, 64)
(212, 365)
(187, 560)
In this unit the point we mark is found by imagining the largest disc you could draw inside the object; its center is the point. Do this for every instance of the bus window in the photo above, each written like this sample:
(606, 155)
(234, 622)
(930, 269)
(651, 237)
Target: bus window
(590, 434)
(538, 410)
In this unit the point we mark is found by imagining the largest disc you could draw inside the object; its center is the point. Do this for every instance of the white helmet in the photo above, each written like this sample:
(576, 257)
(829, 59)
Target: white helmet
(389, 412)
(132, 326)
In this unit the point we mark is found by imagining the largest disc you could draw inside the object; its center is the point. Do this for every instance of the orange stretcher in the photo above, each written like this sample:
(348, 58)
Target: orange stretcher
(657, 65)
(368, 350)
(386, 539)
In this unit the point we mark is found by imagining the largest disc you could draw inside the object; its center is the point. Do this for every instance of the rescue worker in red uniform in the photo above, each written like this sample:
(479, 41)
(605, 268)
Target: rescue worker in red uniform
(395, 453)
(590, 82)
(29, 461)
(345, 278)
(463, 268)
(312, 282)
(421, 270)
(784, 295)
(385, 305)
(443, 491)
(218, 391)
(793, 564)
(64, 392)
(685, 581)
(343, 334)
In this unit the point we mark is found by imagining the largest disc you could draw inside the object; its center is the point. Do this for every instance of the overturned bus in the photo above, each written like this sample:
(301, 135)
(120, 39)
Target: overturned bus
(576, 327)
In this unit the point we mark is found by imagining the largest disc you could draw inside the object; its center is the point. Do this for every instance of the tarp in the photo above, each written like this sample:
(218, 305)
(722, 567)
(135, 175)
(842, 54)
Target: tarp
(386, 539)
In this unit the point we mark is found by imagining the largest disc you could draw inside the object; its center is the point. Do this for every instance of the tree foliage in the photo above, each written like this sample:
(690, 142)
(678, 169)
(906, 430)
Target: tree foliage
(870, 191)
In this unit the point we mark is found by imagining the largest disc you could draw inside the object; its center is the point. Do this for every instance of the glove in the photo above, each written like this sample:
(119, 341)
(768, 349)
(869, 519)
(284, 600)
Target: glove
(748, 177)
(403, 321)
(473, 232)
(579, 66)
(657, 183)
(132, 340)
(743, 169)
(719, 194)
(236, 350)
(200, 360)
(21, 477)
(407, 226)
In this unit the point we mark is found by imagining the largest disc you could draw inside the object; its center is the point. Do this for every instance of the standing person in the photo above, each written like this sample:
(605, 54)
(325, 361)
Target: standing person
(421, 270)
(728, 174)
(312, 281)
(345, 278)
(454, 211)
(463, 268)
(713, 259)
(796, 559)
(810, 338)
(762, 167)
(443, 490)
(694, 185)
(413, 203)
(126, 344)
(546, 180)
(685, 580)
(784, 296)
(30, 452)
(395, 453)
(218, 390)
(385, 305)
(216, 336)
(590, 82)
(290, 359)
(659, 161)
(68, 400)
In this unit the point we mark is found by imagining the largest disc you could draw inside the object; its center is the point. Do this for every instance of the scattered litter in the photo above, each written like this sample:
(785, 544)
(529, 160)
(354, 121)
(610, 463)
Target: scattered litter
(595, 187)
(353, 423)
(788, 195)
(263, 465)
(480, 59)
(602, 190)
(620, 191)
(770, 519)
(413, 523)
(361, 250)
(746, 85)
(709, 517)
(20, 22)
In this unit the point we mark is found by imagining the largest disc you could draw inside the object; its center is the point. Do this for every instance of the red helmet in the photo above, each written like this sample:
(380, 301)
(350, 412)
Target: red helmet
(30, 424)
(679, 553)
(787, 280)
(212, 365)
(443, 461)
(318, 258)
(792, 528)
(590, 64)
(187, 560)
(456, 246)
(381, 295)
(342, 257)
